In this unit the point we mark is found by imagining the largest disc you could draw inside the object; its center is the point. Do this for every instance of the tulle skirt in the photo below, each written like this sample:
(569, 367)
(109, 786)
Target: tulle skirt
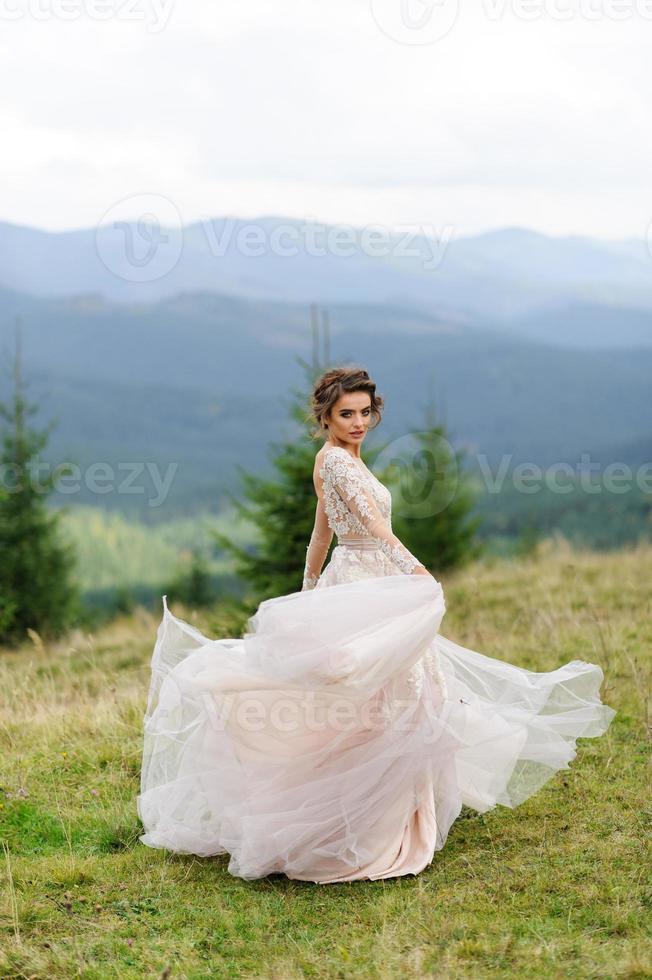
(341, 736)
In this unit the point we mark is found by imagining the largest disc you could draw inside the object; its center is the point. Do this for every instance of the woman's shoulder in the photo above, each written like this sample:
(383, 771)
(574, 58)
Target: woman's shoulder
(336, 466)
(329, 454)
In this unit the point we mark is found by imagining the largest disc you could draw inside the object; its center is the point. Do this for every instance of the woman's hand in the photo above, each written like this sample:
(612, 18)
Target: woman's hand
(420, 570)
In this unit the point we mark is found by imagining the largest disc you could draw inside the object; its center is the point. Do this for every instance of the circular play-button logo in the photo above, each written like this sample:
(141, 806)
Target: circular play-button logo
(415, 21)
(140, 238)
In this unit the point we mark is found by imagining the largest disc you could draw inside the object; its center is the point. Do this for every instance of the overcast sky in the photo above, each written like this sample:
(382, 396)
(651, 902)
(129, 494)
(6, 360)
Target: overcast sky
(473, 117)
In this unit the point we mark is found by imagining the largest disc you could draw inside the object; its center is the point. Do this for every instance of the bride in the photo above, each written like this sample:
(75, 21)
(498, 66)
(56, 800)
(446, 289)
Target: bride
(339, 738)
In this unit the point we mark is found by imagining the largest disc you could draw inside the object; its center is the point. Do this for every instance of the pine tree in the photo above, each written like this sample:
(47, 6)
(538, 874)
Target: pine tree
(434, 502)
(282, 509)
(36, 589)
(193, 584)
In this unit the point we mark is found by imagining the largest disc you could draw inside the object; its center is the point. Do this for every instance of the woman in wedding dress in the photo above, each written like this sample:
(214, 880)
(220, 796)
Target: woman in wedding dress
(341, 736)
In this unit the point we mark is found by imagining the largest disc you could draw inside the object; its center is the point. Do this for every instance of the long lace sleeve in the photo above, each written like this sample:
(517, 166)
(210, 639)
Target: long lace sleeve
(347, 479)
(317, 549)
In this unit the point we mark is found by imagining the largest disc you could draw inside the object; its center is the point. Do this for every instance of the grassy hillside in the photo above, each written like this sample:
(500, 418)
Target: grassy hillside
(115, 552)
(118, 556)
(555, 888)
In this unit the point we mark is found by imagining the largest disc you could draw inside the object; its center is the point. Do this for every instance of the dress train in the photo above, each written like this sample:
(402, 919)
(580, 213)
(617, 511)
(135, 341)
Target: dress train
(340, 737)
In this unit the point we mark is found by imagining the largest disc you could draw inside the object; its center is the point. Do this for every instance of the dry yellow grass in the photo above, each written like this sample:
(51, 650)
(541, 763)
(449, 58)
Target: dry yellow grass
(558, 887)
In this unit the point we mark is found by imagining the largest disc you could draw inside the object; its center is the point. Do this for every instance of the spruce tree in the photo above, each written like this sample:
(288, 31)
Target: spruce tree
(193, 584)
(36, 587)
(432, 512)
(281, 508)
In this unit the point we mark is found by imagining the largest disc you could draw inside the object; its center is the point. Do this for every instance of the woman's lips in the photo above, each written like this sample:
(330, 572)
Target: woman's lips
(356, 433)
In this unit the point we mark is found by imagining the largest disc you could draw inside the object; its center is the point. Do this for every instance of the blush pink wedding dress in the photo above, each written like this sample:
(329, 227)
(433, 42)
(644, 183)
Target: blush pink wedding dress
(340, 737)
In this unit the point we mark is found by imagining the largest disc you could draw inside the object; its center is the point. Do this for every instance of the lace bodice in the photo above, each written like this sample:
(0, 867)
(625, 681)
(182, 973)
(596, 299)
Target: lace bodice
(353, 503)
(342, 482)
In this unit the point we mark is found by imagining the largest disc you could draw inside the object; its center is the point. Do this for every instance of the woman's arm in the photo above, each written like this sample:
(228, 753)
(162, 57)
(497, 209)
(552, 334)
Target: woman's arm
(317, 549)
(350, 484)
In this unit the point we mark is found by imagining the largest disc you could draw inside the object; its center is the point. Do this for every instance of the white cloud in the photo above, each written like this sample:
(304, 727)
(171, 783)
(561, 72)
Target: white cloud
(308, 109)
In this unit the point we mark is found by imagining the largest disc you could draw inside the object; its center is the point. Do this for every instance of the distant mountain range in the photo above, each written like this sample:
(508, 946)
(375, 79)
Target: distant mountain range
(201, 381)
(531, 348)
(569, 291)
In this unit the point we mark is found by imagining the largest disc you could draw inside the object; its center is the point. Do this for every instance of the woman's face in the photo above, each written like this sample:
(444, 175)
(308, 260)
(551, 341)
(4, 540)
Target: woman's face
(350, 417)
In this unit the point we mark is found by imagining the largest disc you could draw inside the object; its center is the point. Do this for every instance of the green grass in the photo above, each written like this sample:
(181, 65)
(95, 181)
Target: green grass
(559, 887)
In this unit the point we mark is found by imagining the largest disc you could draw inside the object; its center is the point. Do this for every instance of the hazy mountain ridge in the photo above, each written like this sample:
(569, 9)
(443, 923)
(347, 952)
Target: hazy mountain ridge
(505, 275)
(202, 381)
(200, 378)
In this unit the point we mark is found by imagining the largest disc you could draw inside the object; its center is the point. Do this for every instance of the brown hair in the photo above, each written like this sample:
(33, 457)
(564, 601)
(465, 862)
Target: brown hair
(335, 383)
